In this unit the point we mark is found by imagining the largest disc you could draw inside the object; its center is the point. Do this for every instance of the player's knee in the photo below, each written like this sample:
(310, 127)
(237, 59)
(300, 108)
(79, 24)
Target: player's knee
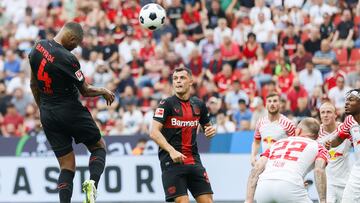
(100, 144)
(67, 161)
(182, 199)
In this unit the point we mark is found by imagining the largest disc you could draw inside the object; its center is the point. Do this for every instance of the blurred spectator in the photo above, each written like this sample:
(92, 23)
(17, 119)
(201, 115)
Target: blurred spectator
(247, 84)
(214, 14)
(230, 52)
(11, 65)
(102, 75)
(327, 28)
(196, 64)
(214, 105)
(265, 33)
(330, 79)
(148, 117)
(128, 44)
(224, 124)
(310, 78)
(259, 111)
(337, 94)
(136, 64)
(224, 78)
(174, 11)
(297, 91)
(19, 81)
(233, 95)
(132, 117)
(26, 34)
(242, 116)
(344, 34)
(302, 111)
(220, 31)
(31, 119)
(118, 128)
(192, 21)
(139, 148)
(285, 78)
(354, 76)
(300, 58)
(317, 10)
(215, 65)
(250, 47)
(183, 47)
(317, 98)
(5, 98)
(257, 68)
(207, 47)
(13, 123)
(241, 31)
(21, 100)
(290, 41)
(312, 45)
(259, 7)
(324, 58)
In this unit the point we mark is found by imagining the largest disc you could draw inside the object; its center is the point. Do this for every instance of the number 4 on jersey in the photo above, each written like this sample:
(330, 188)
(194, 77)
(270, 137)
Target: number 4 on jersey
(42, 75)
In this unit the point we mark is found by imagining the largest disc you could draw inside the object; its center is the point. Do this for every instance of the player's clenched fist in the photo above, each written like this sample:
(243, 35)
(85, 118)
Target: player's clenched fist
(108, 96)
(209, 131)
(176, 156)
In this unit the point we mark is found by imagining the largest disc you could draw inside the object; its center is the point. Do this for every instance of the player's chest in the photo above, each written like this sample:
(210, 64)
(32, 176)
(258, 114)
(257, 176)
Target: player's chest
(355, 134)
(182, 115)
(273, 130)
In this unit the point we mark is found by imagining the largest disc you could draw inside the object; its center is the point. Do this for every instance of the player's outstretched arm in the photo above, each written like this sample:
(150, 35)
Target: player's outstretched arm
(254, 151)
(88, 90)
(336, 141)
(253, 178)
(159, 138)
(35, 89)
(320, 178)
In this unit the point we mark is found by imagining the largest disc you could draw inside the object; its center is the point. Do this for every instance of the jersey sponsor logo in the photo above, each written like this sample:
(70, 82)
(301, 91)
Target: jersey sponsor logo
(159, 113)
(334, 155)
(79, 75)
(179, 123)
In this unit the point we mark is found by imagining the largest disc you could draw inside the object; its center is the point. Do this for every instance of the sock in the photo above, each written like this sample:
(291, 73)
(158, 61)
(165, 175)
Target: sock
(97, 164)
(65, 185)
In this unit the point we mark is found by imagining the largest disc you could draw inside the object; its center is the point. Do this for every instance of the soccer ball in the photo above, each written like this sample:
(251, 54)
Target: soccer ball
(152, 16)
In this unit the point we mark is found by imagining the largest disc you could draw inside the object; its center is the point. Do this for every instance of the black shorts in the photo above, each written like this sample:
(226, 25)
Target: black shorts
(62, 125)
(178, 178)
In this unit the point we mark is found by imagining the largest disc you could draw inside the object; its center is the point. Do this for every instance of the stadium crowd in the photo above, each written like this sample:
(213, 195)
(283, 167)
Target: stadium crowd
(238, 51)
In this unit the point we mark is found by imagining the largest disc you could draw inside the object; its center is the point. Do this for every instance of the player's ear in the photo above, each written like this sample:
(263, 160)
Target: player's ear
(297, 131)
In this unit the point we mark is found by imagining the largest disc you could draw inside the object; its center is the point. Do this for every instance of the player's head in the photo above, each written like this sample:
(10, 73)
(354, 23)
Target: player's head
(308, 127)
(182, 80)
(327, 113)
(352, 103)
(71, 35)
(273, 103)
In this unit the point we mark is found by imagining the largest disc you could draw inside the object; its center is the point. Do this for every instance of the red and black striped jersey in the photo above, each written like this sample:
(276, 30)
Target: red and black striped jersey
(180, 121)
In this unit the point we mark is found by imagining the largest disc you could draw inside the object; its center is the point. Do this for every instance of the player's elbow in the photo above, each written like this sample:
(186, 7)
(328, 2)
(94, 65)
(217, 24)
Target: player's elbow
(153, 134)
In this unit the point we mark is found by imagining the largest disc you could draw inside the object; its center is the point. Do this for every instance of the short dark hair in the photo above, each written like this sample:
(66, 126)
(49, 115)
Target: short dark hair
(251, 34)
(183, 68)
(272, 94)
(75, 29)
(309, 62)
(242, 101)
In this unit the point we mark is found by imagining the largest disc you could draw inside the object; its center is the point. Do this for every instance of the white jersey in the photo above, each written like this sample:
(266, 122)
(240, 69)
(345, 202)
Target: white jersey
(290, 159)
(338, 169)
(270, 132)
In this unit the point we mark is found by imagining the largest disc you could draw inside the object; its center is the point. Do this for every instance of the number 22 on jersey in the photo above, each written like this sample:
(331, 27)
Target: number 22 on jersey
(288, 147)
(42, 75)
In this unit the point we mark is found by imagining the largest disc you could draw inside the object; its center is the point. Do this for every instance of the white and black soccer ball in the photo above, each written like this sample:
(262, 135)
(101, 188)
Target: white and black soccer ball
(152, 16)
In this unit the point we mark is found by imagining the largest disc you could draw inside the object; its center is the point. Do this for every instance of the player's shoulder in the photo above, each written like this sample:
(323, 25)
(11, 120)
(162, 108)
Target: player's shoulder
(196, 100)
(167, 101)
(286, 120)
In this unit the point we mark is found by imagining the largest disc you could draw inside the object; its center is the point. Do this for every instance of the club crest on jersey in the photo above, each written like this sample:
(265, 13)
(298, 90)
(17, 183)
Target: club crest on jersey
(162, 102)
(159, 113)
(79, 75)
(196, 110)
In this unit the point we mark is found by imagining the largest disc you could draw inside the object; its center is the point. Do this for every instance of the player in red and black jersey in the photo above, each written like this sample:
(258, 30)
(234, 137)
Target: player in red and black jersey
(175, 125)
(56, 80)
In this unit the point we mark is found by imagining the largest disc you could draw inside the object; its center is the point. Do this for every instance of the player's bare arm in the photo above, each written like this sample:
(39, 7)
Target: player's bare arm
(88, 90)
(254, 151)
(35, 89)
(253, 178)
(320, 178)
(159, 138)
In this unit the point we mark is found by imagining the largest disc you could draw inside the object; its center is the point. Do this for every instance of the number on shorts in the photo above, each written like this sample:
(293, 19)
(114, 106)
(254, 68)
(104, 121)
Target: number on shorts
(298, 146)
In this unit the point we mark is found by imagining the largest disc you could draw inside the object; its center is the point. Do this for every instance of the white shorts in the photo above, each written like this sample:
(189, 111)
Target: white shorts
(279, 191)
(334, 193)
(352, 188)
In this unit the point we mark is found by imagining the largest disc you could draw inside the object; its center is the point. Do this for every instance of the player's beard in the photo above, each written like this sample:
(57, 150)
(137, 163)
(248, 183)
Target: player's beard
(274, 112)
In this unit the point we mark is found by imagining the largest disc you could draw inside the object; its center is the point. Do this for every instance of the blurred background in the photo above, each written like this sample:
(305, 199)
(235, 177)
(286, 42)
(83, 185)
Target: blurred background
(238, 51)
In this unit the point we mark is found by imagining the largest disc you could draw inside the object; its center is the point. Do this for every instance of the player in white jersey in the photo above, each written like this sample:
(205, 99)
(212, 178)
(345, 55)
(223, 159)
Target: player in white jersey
(271, 128)
(278, 176)
(338, 168)
(351, 130)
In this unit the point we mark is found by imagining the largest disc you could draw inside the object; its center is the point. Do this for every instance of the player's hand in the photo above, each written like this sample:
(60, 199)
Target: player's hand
(176, 156)
(210, 131)
(108, 96)
(253, 161)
